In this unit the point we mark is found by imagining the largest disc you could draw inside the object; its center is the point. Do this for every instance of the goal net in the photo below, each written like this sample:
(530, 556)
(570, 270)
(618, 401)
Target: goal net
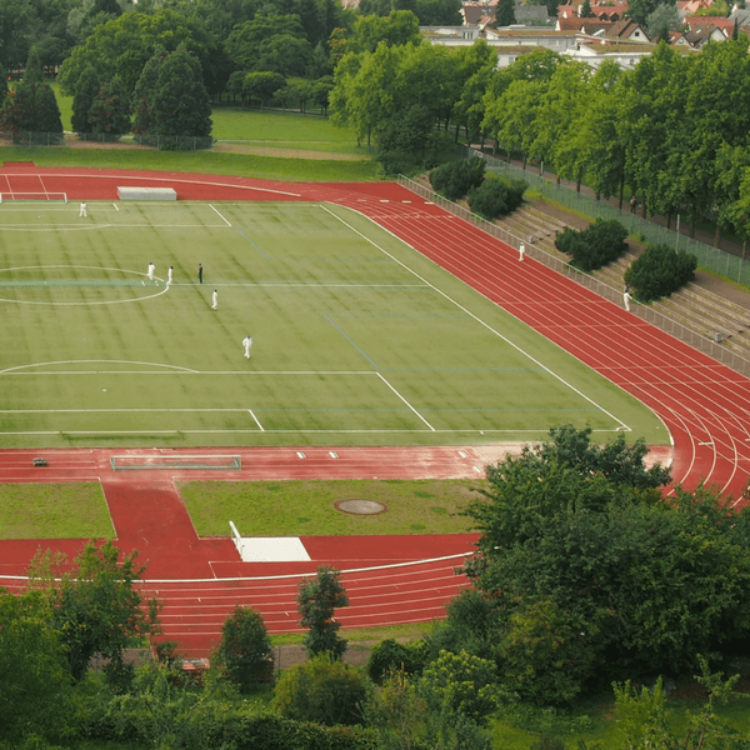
(33, 197)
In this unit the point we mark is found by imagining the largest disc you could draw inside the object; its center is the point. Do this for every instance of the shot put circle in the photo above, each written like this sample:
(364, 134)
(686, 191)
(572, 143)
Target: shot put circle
(360, 507)
(129, 285)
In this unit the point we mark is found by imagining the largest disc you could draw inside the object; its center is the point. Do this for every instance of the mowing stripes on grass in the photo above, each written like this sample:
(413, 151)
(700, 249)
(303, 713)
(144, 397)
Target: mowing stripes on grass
(358, 339)
(622, 425)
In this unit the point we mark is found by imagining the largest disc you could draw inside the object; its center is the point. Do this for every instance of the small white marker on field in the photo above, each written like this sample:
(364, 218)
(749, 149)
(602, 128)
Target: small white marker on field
(333, 454)
(462, 454)
(477, 469)
(115, 205)
(300, 454)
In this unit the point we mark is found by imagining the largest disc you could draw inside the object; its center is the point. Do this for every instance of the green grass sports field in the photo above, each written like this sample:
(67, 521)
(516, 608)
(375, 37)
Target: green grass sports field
(358, 339)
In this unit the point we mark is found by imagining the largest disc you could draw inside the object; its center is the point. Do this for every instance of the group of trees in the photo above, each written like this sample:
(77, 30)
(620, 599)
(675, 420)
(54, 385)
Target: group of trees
(587, 575)
(662, 129)
(30, 106)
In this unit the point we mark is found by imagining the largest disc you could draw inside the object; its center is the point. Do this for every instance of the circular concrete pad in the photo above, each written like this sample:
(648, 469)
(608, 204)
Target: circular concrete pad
(359, 507)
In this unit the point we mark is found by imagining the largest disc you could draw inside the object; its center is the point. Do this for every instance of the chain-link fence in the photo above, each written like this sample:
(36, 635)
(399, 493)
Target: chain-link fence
(712, 348)
(161, 142)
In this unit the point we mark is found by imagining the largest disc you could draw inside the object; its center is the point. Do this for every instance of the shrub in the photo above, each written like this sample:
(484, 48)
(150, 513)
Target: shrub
(595, 246)
(323, 690)
(496, 197)
(659, 271)
(457, 178)
(390, 656)
(244, 652)
(472, 625)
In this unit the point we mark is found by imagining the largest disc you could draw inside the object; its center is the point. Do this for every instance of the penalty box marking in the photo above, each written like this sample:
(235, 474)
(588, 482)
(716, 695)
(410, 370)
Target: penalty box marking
(217, 410)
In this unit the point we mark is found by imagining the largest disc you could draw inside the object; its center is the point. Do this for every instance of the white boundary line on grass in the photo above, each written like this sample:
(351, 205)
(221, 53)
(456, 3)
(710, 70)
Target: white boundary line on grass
(252, 414)
(220, 214)
(471, 314)
(405, 401)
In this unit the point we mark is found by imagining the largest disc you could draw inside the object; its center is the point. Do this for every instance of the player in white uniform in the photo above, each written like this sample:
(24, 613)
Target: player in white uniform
(169, 275)
(521, 251)
(247, 342)
(215, 300)
(82, 212)
(151, 269)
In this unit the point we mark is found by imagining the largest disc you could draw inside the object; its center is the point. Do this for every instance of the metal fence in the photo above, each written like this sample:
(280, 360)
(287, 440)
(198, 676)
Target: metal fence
(712, 348)
(718, 261)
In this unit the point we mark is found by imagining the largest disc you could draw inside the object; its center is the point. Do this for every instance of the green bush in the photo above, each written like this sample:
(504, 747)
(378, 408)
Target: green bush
(659, 271)
(472, 625)
(390, 656)
(244, 653)
(322, 690)
(496, 197)
(455, 179)
(593, 247)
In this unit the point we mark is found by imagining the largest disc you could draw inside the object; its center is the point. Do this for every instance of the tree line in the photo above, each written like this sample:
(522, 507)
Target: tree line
(673, 131)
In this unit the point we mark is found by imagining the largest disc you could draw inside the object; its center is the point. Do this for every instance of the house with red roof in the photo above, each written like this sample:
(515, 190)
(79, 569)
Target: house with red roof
(626, 30)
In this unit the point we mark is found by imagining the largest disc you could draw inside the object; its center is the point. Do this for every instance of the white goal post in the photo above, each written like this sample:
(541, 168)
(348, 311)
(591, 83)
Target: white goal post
(33, 197)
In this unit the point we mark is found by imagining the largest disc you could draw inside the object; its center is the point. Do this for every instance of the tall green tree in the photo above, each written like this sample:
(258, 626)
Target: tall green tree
(109, 114)
(400, 27)
(30, 109)
(506, 13)
(244, 652)
(87, 90)
(142, 102)
(123, 46)
(96, 606)
(35, 692)
(247, 41)
(181, 105)
(317, 601)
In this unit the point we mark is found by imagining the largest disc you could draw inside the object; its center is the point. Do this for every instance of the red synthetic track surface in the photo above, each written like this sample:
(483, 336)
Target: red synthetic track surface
(705, 405)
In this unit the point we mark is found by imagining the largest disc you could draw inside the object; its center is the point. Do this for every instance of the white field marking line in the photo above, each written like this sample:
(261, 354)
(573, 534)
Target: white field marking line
(44, 187)
(286, 576)
(260, 426)
(220, 215)
(540, 432)
(317, 285)
(7, 179)
(80, 304)
(179, 369)
(475, 317)
(405, 401)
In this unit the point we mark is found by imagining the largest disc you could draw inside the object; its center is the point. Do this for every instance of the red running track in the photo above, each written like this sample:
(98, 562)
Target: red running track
(704, 404)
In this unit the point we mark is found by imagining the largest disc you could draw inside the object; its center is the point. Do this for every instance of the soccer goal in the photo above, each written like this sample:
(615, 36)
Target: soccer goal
(33, 197)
